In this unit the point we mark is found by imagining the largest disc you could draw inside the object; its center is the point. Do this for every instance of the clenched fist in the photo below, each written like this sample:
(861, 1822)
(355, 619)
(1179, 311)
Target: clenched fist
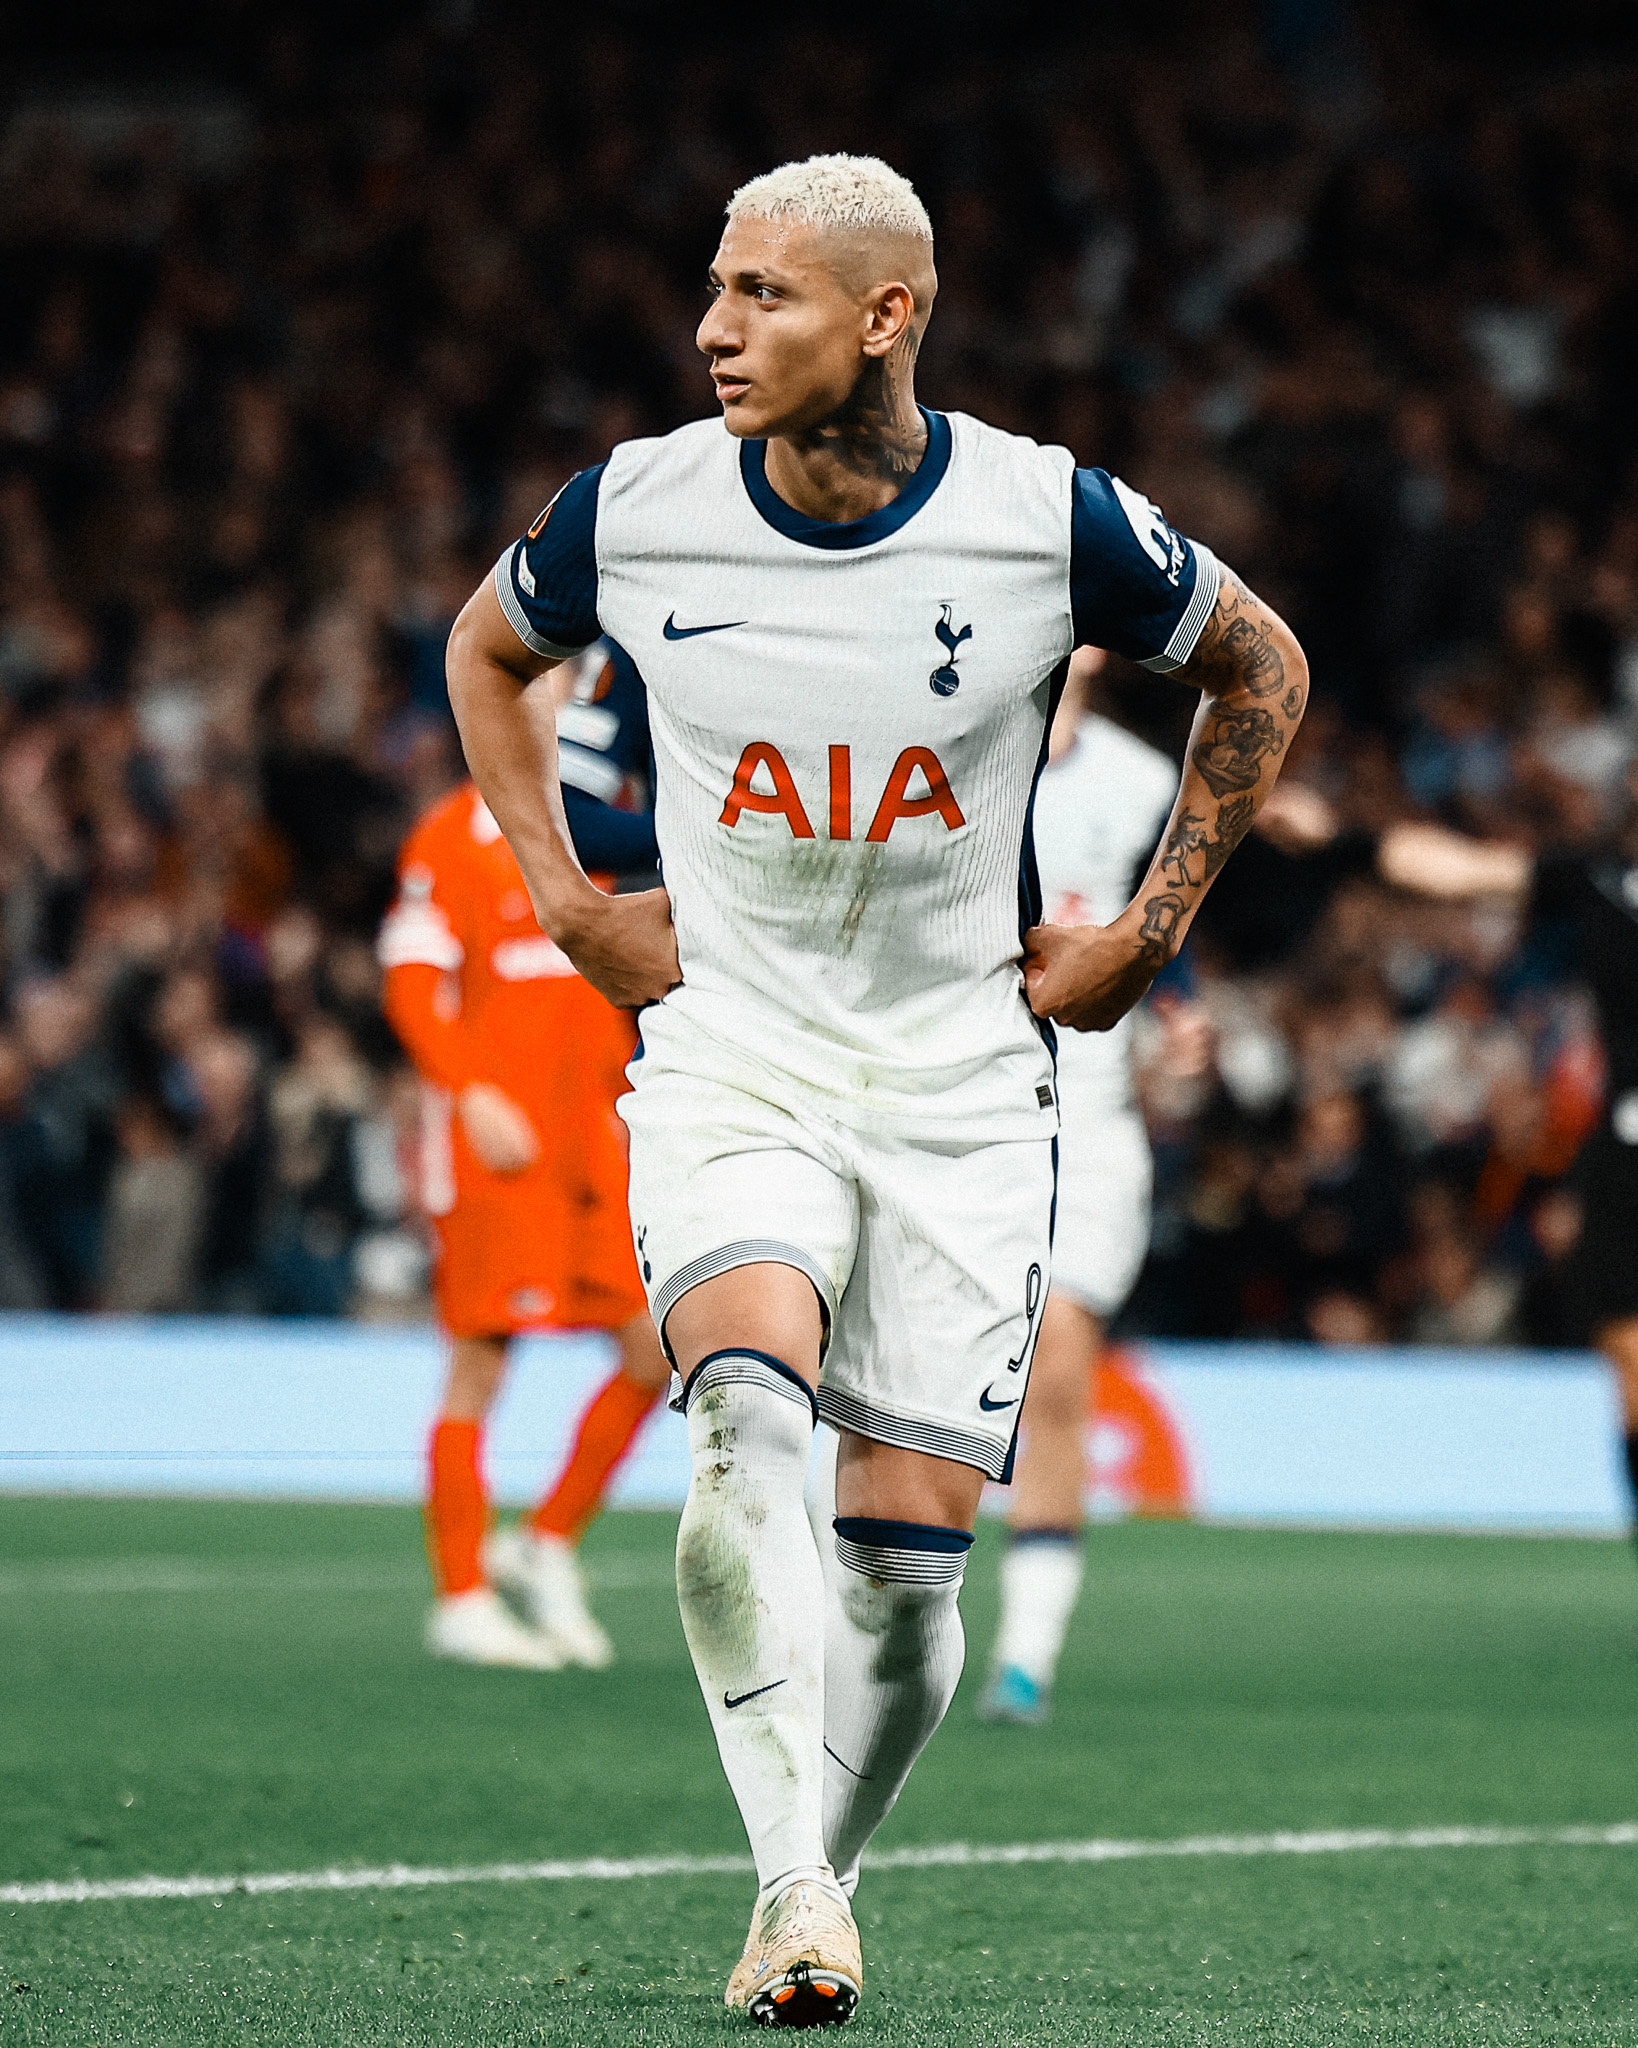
(623, 945)
(1088, 976)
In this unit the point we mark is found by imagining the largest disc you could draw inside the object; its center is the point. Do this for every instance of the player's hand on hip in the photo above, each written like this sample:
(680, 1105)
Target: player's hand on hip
(625, 947)
(1086, 976)
(497, 1129)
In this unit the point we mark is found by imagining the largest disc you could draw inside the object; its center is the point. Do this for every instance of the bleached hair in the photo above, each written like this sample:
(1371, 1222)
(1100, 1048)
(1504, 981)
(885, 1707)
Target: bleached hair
(857, 192)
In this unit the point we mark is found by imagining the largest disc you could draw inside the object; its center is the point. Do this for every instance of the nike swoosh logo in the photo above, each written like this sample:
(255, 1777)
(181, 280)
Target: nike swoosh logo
(744, 1696)
(994, 1407)
(673, 631)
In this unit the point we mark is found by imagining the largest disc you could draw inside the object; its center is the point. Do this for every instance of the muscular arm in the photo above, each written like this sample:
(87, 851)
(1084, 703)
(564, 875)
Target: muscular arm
(623, 945)
(1253, 682)
(1422, 859)
(1428, 860)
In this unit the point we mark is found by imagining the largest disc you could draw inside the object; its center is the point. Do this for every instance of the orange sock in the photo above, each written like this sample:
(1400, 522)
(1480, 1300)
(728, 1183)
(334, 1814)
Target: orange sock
(457, 1507)
(604, 1437)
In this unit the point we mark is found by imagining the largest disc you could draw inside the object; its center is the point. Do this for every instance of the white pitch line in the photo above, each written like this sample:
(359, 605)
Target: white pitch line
(944, 1855)
(125, 1576)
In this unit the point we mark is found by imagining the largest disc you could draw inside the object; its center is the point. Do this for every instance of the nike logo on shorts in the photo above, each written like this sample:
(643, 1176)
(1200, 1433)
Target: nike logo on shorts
(673, 631)
(994, 1407)
(730, 1704)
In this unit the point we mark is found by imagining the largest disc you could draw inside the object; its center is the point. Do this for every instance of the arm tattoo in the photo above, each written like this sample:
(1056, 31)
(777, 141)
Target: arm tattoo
(1183, 842)
(1188, 838)
(1248, 648)
(1237, 642)
(1161, 915)
(1252, 708)
(1231, 750)
(1233, 823)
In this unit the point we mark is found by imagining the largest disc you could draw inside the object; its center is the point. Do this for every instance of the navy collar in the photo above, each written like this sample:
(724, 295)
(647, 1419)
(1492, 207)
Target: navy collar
(848, 533)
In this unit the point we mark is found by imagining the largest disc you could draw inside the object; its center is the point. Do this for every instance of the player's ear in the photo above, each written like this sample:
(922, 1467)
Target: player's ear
(889, 313)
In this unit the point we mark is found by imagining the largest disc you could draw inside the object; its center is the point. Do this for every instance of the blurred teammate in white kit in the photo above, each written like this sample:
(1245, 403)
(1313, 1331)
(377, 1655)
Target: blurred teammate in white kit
(1100, 807)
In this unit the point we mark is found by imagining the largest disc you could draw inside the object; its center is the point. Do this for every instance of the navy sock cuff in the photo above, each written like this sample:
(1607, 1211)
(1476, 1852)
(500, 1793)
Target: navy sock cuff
(902, 1535)
(902, 1553)
(1062, 1536)
(736, 1365)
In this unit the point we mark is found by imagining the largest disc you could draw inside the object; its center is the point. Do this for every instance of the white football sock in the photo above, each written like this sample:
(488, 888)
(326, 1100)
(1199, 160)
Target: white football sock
(751, 1590)
(1040, 1577)
(821, 1495)
(893, 1653)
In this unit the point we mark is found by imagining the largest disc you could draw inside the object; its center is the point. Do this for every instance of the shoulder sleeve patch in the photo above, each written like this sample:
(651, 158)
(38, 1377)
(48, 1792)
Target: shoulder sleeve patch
(547, 582)
(1136, 585)
(1166, 549)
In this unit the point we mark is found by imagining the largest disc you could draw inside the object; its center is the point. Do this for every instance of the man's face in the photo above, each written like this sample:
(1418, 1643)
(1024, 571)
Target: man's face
(786, 340)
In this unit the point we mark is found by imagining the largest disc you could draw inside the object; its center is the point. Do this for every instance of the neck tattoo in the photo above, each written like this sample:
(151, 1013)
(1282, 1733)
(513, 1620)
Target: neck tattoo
(878, 434)
(864, 454)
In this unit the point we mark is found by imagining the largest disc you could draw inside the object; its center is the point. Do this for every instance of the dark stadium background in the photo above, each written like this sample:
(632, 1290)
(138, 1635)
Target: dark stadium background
(303, 314)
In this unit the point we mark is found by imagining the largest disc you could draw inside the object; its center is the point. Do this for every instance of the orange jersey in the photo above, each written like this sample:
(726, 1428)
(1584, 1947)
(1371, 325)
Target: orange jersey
(477, 992)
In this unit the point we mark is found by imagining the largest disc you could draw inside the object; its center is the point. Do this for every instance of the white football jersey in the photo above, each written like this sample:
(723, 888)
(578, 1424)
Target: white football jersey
(1099, 813)
(848, 724)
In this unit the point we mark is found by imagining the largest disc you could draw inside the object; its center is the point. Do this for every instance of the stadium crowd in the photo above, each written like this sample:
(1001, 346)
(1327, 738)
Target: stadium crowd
(284, 364)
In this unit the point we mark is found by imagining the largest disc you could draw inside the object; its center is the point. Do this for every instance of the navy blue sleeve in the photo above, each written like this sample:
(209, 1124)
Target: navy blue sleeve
(1136, 585)
(547, 582)
(602, 750)
(628, 693)
(617, 842)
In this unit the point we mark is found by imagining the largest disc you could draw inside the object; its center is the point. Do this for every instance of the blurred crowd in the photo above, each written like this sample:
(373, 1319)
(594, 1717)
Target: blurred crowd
(287, 357)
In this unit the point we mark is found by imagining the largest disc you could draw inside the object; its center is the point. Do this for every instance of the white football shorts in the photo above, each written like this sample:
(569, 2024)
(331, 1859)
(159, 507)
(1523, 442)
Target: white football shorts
(930, 1256)
(1105, 1183)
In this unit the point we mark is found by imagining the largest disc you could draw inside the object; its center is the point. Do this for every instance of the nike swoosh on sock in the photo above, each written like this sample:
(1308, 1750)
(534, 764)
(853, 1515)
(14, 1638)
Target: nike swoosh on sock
(730, 1704)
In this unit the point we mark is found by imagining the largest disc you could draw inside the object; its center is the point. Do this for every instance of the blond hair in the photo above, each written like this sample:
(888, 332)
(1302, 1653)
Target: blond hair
(858, 194)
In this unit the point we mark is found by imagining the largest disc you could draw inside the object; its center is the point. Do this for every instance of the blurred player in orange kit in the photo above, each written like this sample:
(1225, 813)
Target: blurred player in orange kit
(524, 1169)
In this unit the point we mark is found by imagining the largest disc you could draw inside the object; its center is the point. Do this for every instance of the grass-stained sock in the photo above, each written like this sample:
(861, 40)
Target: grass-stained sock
(893, 1654)
(751, 1591)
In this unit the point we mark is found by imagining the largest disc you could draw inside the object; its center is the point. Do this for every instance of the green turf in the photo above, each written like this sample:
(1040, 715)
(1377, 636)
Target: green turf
(220, 1687)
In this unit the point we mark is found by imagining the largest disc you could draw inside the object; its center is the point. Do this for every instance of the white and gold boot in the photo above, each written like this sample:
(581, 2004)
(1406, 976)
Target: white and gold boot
(801, 1965)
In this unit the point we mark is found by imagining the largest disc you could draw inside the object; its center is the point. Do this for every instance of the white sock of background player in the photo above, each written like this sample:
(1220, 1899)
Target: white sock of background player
(893, 1653)
(751, 1591)
(1040, 1578)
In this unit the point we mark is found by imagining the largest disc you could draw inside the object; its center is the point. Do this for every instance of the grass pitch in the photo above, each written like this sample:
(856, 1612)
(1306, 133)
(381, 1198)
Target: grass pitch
(221, 1687)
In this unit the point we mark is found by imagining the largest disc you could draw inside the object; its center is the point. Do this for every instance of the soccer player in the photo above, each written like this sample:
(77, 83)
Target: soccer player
(1099, 809)
(525, 1170)
(853, 618)
(1590, 898)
